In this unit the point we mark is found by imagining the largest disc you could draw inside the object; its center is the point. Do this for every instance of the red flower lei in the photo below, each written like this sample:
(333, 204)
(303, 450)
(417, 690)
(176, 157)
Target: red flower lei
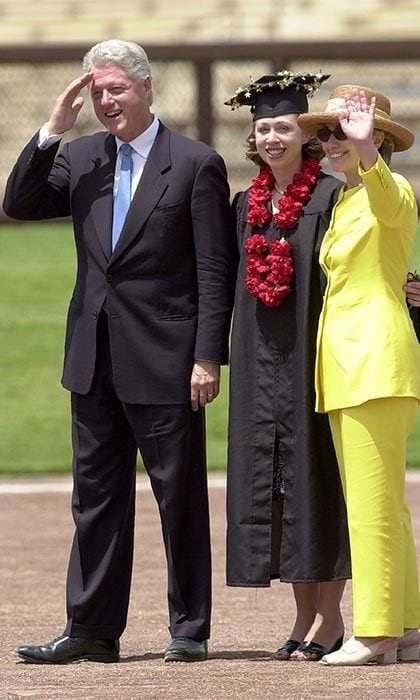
(269, 267)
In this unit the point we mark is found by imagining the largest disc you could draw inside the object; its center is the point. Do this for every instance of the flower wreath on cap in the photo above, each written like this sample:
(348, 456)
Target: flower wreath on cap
(303, 82)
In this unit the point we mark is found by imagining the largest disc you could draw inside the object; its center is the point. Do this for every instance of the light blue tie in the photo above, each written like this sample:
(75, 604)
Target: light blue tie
(123, 196)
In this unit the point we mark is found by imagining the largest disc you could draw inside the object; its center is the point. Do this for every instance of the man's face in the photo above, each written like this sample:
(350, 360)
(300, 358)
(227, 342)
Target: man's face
(120, 102)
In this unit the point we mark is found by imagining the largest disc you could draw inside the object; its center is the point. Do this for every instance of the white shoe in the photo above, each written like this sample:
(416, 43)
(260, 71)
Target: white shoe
(409, 646)
(355, 653)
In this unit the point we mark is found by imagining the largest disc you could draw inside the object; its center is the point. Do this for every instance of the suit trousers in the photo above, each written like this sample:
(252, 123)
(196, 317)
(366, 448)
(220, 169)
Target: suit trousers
(370, 441)
(171, 440)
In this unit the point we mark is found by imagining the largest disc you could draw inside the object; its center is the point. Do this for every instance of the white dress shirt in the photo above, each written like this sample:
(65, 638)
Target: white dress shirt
(142, 145)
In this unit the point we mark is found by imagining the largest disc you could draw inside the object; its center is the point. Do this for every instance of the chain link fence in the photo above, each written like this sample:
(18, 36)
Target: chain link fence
(30, 90)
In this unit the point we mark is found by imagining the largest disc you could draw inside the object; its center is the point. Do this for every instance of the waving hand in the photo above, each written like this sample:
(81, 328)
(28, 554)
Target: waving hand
(357, 117)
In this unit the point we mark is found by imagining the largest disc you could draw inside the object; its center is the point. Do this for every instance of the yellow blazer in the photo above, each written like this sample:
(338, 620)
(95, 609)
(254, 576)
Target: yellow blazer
(366, 346)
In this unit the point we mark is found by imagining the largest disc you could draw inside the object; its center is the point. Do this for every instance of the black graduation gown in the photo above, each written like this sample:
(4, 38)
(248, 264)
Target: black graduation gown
(274, 432)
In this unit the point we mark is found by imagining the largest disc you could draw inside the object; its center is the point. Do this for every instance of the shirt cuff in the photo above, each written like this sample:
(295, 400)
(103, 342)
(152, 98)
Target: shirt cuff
(45, 139)
(200, 359)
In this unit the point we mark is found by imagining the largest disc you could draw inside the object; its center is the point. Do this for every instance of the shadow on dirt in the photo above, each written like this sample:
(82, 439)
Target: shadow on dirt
(243, 655)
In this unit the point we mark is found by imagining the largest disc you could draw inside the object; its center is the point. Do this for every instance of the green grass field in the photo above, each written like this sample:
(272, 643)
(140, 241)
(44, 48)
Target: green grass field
(36, 277)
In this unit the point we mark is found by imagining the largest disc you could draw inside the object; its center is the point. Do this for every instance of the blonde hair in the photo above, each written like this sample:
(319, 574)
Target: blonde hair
(386, 148)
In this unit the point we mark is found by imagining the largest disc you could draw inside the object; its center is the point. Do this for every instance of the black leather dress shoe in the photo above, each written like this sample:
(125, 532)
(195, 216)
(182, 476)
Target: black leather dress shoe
(65, 650)
(185, 649)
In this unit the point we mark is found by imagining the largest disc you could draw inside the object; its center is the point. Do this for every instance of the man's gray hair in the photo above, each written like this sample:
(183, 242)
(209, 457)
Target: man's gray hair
(129, 56)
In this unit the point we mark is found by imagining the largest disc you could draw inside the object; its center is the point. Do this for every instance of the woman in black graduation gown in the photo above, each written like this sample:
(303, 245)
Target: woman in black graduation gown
(286, 514)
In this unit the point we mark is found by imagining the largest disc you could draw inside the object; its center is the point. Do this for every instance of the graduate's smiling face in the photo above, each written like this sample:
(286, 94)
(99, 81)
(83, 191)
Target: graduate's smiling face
(121, 103)
(279, 141)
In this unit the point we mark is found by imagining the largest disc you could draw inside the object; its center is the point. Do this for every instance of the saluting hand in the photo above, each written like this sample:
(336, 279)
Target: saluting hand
(68, 106)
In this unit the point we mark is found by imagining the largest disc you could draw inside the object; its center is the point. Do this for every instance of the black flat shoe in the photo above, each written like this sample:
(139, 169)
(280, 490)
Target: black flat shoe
(283, 652)
(314, 652)
(66, 650)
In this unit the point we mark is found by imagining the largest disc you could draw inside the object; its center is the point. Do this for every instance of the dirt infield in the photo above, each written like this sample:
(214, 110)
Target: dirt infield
(248, 624)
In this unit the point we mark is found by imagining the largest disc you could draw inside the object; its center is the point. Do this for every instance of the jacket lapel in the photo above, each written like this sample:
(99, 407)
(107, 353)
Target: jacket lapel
(149, 191)
(101, 184)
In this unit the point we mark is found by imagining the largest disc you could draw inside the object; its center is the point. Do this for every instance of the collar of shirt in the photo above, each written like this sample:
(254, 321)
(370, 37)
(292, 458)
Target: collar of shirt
(142, 145)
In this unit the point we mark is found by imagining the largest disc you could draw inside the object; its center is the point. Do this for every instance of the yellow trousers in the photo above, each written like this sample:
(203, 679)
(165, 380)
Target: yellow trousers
(370, 442)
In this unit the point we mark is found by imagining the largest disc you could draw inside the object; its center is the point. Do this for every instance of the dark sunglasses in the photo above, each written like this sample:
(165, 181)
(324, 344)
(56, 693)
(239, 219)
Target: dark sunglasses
(324, 134)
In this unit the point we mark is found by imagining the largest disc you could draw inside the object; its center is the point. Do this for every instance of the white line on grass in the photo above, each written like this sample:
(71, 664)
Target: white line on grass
(64, 485)
(22, 485)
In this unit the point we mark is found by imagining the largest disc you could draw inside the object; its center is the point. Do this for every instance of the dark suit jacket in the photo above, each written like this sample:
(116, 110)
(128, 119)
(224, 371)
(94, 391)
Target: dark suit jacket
(168, 283)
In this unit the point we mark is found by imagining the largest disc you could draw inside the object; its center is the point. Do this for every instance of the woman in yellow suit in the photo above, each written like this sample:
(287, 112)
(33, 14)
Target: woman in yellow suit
(368, 364)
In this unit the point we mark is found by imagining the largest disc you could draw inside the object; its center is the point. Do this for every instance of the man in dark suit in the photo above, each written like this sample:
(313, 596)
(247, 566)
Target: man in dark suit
(146, 333)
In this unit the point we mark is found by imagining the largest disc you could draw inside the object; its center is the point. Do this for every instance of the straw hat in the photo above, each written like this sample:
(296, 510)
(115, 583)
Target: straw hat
(403, 138)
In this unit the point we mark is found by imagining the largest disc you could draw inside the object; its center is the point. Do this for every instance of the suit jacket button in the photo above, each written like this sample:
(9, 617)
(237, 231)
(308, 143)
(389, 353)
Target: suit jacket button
(95, 315)
(109, 278)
